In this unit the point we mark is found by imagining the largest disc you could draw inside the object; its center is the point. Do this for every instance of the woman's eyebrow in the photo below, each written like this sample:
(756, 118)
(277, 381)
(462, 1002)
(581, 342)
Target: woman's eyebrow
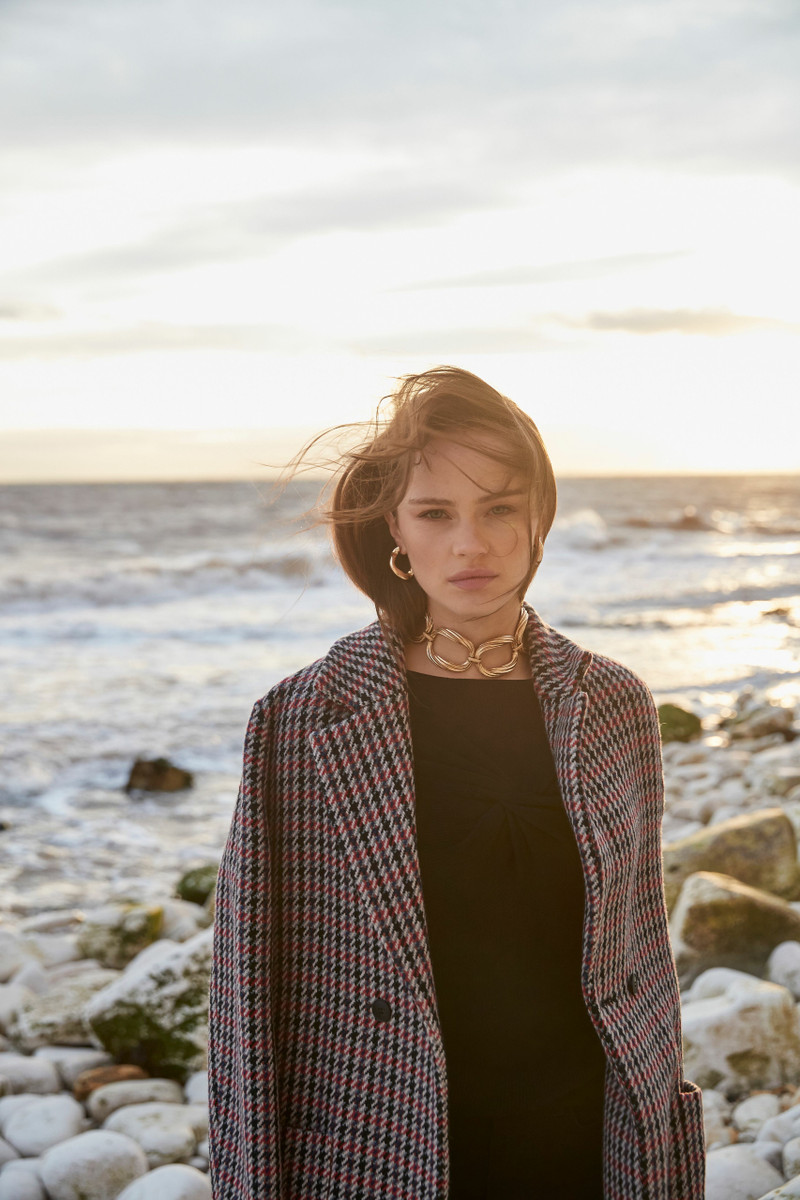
(485, 496)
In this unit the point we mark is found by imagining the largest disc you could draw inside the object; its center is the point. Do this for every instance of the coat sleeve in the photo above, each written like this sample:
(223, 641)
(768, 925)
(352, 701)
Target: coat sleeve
(244, 1131)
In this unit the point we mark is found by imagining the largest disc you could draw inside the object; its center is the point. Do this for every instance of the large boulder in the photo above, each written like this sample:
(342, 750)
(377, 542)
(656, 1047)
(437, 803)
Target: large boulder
(157, 775)
(758, 848)
(116, 933)
(720, 922)
(740, 1033)
(156, 1013)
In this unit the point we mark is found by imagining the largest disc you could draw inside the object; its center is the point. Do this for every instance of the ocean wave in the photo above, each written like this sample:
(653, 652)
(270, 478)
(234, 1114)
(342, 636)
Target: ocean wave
(152, 580)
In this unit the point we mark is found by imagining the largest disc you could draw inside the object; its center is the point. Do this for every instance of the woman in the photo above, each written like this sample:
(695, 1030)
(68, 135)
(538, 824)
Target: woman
(442, 964)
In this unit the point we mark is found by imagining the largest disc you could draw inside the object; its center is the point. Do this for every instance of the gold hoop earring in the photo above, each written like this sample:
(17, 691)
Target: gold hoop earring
(394, 567)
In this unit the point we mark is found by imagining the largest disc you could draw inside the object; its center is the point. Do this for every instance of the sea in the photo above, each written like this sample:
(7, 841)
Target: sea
(143, 620)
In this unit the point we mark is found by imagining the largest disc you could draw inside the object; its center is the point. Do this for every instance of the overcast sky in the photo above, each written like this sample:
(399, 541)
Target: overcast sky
(250, 217)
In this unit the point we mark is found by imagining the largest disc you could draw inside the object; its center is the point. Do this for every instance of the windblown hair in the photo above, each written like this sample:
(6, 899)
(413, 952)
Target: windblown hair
(373, 478)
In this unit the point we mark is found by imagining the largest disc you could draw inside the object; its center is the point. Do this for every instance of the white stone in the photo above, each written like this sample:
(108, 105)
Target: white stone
(33, 976)
(782, 1128)
(783, 967)
(72, 1061)
(20, 1180)
(789, 1191)
(13, 954)
(12, 1104)
(52, 949)
(771, 1152)
(7, 1152)
(48, 1121)
(54, 920)
(740, 1033)
(58, 1017)
(27, 1074)
(175, 1182)
(12, 998)
(196, 1088)
(183, 920)
(166, 1132)
(92, 1166)
(738, 1173)
(107, 1099)
(791, 1158)
(750, 1115)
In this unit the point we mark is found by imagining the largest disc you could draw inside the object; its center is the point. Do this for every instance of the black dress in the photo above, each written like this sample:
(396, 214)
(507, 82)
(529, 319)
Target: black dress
(503, 889)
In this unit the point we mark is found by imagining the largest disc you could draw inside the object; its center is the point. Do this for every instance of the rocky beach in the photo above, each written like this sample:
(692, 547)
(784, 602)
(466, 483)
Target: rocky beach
(103, 1006)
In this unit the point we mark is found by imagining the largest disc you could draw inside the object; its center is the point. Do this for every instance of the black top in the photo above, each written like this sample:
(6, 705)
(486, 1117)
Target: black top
(503, 889)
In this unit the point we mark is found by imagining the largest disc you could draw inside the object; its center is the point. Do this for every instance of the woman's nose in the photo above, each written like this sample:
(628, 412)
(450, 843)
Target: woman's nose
(470, 539)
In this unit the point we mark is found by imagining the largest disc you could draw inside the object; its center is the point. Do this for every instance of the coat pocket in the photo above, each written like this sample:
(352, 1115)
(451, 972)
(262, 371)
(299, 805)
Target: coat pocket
(307, 1168)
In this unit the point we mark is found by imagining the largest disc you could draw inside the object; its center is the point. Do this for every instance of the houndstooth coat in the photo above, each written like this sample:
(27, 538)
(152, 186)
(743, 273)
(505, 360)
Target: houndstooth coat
(327, 1071)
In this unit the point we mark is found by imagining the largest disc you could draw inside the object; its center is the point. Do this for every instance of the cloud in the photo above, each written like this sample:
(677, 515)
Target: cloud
(708, 322)
(528, 88)
(152, 337)
(560, 272)
(26, 310)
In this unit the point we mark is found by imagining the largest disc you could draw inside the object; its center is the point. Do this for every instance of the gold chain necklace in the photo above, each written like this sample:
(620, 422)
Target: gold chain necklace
(474, 653)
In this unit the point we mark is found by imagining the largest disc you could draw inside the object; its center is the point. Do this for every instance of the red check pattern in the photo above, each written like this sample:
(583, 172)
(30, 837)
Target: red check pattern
(318, 1095)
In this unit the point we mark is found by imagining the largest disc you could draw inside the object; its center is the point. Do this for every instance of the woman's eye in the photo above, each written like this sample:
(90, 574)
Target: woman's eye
(501, 510)
(433, 514)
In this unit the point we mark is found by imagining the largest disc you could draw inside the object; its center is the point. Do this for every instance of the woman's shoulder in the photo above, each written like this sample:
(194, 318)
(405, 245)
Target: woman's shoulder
(595, 673)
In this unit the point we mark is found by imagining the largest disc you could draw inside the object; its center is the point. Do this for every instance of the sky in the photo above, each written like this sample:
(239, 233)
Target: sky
(223, 227)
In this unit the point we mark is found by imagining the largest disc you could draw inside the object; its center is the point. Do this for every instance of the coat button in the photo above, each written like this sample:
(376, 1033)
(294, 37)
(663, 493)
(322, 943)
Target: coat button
(633, 983)
(381, 1010)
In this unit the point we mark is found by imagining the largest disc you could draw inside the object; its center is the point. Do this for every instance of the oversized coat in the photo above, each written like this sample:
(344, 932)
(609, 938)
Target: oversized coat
(327, 1068)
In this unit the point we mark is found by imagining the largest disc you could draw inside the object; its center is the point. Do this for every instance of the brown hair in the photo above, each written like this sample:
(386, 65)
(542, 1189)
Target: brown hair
(373, 477)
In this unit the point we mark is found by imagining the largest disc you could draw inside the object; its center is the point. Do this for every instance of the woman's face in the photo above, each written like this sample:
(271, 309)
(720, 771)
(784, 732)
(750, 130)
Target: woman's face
(465, 525)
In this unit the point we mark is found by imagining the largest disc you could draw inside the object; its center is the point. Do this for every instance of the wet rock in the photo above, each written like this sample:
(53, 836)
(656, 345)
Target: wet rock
(198, 883)
(740, 1033)
(116, 933)
(719, 921)
(96, 1077)
(738, 1173)
(678, 724)
(157, 1015)
(92, 1166)
(756, 718)
(758, 848)
(157, 775)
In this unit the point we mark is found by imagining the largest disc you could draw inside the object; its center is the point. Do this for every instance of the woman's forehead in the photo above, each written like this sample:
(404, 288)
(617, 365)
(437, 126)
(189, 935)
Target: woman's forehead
(464, 468)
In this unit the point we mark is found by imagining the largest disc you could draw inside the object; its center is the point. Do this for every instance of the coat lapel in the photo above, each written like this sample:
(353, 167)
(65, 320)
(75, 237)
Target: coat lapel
(365, 764)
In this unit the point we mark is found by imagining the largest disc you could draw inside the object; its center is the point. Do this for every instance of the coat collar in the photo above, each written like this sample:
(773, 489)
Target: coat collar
(366, 667)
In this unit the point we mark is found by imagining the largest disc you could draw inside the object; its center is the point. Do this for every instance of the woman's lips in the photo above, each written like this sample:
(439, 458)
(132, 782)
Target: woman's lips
(471, 581)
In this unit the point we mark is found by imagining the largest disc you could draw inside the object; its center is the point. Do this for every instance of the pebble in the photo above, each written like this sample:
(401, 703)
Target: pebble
(43, 1123)
(790, 1161)
(112, 1096)
(73, 1061)
(20, 1181)
(750, 1115)
(783, 967)
(174, 1182)
(738, 1173)
(7, 1152)
(167, 1133)
(26, 1074)
(97, 1077)
(96, 1165)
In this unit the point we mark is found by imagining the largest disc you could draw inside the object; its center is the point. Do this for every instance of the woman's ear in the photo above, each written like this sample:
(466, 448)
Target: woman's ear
(391, 521)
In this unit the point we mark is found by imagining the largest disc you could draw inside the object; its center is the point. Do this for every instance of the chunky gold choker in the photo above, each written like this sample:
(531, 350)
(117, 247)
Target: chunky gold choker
(474, 653)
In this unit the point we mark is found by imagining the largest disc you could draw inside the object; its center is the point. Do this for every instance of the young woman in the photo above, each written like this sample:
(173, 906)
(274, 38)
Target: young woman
(442, 961)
